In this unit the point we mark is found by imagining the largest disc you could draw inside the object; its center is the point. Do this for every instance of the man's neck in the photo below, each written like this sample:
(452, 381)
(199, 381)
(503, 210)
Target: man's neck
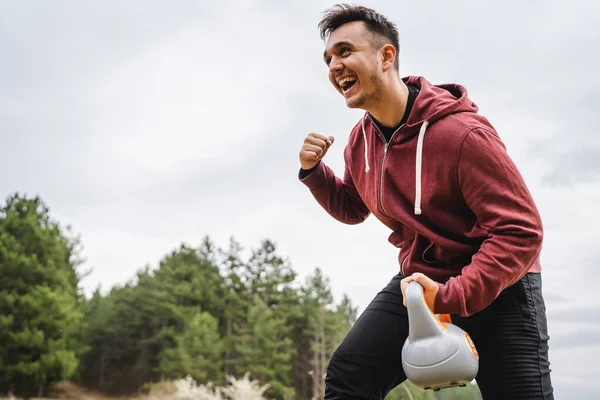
(391, 106)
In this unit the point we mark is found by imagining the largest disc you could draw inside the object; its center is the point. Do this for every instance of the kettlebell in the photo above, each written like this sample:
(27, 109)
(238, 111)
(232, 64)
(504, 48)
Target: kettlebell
(437, 354)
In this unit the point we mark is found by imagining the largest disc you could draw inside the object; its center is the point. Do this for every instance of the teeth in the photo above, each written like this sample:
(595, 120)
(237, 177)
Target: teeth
(345, 80)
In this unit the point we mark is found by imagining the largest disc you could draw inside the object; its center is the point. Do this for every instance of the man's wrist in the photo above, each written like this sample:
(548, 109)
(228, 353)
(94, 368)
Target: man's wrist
(306, 172)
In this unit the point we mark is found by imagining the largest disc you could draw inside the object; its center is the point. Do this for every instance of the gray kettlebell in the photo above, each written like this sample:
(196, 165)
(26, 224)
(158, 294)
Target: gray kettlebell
(437, 354)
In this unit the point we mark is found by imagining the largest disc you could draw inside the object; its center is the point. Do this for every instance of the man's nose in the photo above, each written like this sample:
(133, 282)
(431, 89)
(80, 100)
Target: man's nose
(335, 64)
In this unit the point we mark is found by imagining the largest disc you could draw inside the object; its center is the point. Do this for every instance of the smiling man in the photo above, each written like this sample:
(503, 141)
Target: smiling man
(431, 168)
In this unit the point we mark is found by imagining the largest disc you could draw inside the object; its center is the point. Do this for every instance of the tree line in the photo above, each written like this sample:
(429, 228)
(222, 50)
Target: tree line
(205, 312)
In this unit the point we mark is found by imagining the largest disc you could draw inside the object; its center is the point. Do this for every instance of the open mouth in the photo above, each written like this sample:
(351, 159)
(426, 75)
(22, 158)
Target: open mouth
(346, 83)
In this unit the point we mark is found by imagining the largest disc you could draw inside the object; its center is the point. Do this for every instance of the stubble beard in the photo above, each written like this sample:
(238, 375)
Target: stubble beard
(373, 97)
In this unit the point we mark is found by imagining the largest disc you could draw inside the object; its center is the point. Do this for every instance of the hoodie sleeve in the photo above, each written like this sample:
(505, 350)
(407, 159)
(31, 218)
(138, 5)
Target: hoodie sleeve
(495, 191)
(337, 196)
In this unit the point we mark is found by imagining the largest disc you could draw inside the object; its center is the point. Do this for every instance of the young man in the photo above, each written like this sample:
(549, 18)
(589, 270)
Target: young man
(425, 163)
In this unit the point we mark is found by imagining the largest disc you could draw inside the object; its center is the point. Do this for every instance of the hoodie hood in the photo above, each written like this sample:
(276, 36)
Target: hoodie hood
(433, 103)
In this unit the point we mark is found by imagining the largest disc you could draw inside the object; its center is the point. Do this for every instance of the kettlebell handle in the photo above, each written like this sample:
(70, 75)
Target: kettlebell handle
(421, 320)
(414, 293)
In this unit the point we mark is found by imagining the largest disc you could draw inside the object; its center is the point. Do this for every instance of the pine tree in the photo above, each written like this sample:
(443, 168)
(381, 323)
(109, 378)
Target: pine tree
(266, 350)
(198, 351)
(40, 311)
(236, 302)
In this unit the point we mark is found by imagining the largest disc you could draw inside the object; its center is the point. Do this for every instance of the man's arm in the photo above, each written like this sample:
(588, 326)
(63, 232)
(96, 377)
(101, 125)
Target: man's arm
(337, 196)
(495, 191)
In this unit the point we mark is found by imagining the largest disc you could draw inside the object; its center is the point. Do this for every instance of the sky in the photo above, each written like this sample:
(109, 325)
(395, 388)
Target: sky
(144, 126)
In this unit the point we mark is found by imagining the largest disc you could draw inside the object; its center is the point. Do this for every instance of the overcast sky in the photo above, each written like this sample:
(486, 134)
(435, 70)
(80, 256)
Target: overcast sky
(144, 125)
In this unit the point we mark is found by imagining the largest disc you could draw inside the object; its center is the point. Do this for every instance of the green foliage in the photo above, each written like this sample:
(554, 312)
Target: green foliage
(408, 391)
(265, 348)
(40, 312)
(207, 313)
(145, 331)
(197, 352)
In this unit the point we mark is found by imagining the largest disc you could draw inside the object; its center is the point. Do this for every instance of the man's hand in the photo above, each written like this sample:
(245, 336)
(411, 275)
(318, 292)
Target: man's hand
(430, 288)
(314, 149)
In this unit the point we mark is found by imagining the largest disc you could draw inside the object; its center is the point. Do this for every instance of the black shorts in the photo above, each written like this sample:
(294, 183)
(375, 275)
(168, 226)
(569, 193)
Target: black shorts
(510, 335)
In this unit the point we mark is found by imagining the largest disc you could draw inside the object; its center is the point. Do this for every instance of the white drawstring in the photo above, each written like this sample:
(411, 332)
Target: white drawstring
(367, 169)
(418, 168)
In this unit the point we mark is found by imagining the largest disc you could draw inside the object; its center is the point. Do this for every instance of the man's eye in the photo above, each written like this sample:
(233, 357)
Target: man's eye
(345, 52)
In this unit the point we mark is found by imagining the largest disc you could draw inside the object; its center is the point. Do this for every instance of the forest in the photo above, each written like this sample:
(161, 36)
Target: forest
(212, 318)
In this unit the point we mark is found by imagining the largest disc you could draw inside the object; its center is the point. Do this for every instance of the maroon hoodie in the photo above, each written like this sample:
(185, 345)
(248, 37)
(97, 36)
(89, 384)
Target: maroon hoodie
(457, 205)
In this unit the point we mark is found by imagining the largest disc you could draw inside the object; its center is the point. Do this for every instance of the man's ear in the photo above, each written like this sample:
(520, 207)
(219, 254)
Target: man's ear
(388, 55)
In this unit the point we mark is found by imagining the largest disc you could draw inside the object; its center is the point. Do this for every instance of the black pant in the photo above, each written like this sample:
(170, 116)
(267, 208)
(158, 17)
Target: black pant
(510, 334)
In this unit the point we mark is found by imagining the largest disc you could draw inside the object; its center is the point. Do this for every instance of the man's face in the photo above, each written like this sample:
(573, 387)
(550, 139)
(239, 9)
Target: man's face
(354, 65)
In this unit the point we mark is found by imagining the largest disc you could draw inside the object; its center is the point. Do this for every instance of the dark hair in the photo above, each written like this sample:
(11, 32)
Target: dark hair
(379, 25)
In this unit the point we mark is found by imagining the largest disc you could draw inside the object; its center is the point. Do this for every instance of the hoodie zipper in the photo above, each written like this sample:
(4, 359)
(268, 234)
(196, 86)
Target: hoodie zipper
(383, 159)
(385, 153)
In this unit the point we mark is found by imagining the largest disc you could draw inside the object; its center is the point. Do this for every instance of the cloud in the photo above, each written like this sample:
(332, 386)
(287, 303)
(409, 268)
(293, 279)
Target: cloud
(578, 163)
(574, 375)
(585, 337)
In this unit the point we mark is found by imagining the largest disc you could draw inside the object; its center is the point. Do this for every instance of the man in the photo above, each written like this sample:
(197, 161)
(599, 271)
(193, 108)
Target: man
(427, 165)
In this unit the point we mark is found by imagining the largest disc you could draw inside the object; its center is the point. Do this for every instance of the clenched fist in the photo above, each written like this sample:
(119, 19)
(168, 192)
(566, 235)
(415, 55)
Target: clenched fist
(314, 149)
(430, 288)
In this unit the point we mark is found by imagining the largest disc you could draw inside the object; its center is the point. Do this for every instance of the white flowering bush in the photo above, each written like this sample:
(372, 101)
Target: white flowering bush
(244, 389)
(238, 389)
(188, 390)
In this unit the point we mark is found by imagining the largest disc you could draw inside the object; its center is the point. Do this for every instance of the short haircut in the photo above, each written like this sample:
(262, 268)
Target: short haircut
(376, 23)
